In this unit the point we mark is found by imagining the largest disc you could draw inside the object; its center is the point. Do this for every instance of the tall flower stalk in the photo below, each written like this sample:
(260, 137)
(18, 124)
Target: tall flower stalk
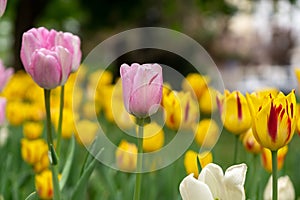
(60, 119)
(274, 175)
(52, 154)
(138, 179)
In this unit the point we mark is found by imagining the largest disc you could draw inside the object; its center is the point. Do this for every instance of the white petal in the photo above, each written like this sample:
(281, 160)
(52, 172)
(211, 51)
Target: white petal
(286, 189)
(212, 175)
(234, 181)
(192, 189)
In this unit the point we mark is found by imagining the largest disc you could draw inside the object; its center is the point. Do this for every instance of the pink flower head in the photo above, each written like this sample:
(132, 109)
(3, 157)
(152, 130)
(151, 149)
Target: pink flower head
(50, 56)
(5, 75)
(2, 6)
(142, 88)
(2, 110)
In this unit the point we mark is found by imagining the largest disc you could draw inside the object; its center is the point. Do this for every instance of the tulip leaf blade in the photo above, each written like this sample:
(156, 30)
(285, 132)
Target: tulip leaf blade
(81, 184)
(32, 196)
(68, 165)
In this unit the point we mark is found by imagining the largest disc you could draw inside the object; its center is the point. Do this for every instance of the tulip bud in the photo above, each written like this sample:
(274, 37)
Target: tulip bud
(285, 188)
(126, 156)
(142, 88)
(234, 112)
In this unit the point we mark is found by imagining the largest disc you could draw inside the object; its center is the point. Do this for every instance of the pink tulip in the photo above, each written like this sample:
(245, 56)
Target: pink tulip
(50, 56)
(2, 110)
(142, 88)
(2, 6)
(5, 75)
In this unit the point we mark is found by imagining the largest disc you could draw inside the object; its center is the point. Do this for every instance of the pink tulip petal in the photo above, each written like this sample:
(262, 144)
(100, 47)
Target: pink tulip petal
(65, 59)
(2, 110)
(46, 70)
(2, 6)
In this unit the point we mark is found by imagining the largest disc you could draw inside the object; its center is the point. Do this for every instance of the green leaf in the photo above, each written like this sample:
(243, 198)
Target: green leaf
(81, 184)
(32, 196)
(68, 165)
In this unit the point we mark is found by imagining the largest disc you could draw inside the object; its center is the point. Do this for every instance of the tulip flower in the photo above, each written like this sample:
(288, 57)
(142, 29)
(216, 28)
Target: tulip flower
(234, 112)
(273, 119)
(2, 7)
(207, 101)
(207, 133)
(153, 137)
(33, 130)
(181, 110)
(50, 56)
(2, 110)
(126, 156)
(44, 184)
(250, 143)
(213, 184)
(33, 150)
(266, 158)
(191, 163)
(142, 88)
(5, 74)
(196, 84)
(286, 189)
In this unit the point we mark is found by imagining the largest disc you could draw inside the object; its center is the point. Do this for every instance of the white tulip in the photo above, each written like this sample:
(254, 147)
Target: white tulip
(213, 184)
(285, 189)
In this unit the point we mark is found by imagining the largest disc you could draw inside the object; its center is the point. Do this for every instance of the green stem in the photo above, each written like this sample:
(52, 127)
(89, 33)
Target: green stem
(274, 174)
(48, 117)
(236, 145)
(52, 155)
(138, 179)
(60, 119)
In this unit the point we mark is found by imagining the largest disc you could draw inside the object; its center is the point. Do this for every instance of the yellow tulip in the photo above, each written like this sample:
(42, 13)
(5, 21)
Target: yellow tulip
(32, 130)
(153, 138)
(181, 110)
(68, 122)
(266, 158)
(86, 132)
(234, 112)
(44, 184)
(298, 119)
(190, 161)
(196, 84)
(16, 112)
(250, 143)
(33, 150)
(207, 101)
(126, 156)
(42, 164)
(207, 133)
(273, 119)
